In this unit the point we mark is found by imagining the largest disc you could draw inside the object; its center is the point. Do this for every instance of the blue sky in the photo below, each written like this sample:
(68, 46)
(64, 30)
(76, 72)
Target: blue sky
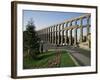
(44, 19)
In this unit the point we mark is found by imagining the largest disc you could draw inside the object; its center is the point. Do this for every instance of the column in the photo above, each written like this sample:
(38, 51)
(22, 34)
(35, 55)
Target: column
(88, 36)
(41, 34)
(70, 38)
(62, 36)
(66, 34)
(50, 34)
(56, 34)
(81, 31)
(45, 34)
(53, 34)
(75, 34)
(59, 34)
(88, 18)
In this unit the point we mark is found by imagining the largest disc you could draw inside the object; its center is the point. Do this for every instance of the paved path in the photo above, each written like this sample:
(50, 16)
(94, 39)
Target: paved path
(82, 56)
(84, 60)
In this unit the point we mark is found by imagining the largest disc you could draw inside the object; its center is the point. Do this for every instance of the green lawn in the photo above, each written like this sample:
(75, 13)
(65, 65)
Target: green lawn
(66, 60)
(29, 63)
(44, 58)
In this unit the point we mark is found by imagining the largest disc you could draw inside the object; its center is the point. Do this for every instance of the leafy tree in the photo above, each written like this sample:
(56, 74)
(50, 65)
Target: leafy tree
(31, 40)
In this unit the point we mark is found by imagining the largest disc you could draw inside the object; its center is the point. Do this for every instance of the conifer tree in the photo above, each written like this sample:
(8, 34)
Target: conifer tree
(31, 40)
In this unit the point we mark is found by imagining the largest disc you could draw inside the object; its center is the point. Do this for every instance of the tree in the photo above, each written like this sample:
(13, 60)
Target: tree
(31, 40)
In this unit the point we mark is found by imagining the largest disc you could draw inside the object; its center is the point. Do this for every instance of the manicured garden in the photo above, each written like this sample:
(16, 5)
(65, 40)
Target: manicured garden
(48, 59)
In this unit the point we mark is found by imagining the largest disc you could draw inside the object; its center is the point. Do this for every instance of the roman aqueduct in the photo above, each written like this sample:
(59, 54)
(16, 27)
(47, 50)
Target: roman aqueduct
(66, 32)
